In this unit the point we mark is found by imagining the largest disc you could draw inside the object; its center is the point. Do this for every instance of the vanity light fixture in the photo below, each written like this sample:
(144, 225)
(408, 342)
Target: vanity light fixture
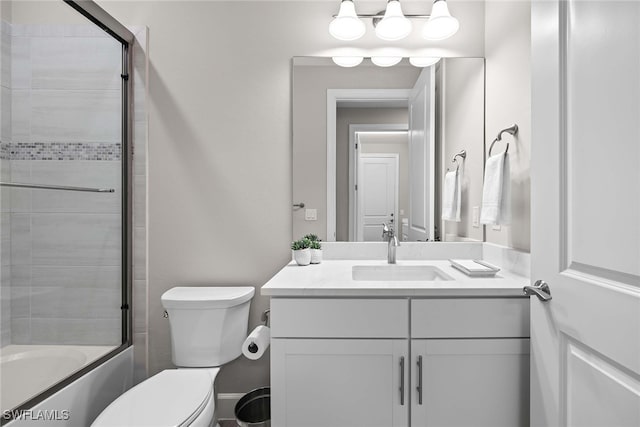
(441, 25)
(347, 25)
(423, 61)
(394, 25)
(386, 61)
(347, 61)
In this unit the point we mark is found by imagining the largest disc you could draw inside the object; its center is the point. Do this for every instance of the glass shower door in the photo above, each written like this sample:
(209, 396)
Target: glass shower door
(62, 204)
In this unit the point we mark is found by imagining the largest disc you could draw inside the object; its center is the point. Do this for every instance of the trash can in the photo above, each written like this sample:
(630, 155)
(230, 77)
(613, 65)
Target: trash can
(254, 408)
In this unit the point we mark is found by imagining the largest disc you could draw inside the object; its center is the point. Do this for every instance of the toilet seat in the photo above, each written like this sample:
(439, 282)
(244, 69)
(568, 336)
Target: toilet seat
(172, 398)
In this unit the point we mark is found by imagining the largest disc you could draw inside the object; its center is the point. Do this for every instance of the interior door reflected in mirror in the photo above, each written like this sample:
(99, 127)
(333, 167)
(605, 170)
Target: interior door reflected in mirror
(371, 146)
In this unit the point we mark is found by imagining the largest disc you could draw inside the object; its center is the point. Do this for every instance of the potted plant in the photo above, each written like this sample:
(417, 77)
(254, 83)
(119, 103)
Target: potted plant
(301, 251)
(315, 247)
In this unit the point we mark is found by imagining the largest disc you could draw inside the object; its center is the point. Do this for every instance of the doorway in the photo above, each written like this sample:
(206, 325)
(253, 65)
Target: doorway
(378, 175)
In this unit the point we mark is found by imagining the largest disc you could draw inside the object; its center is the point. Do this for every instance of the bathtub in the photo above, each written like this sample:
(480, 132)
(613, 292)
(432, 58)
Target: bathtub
(27, 370)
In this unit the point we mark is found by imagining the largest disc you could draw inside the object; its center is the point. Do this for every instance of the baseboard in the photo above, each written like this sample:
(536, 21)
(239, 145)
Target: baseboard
(225, 405)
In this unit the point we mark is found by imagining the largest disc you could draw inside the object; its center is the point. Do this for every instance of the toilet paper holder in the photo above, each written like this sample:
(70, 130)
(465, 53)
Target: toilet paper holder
(253, 347)
(265, 316)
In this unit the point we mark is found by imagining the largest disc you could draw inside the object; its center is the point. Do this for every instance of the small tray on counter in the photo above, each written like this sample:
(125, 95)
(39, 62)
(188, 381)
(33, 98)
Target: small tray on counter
(474, 267)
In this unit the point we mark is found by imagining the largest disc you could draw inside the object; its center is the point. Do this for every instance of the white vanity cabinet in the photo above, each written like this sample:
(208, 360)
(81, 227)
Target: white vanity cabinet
(339, 362)
(345, 382)
(350, 362)
(470, 362)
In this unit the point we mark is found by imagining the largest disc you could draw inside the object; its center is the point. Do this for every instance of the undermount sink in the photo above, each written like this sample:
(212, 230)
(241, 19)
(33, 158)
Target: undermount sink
(393, 273)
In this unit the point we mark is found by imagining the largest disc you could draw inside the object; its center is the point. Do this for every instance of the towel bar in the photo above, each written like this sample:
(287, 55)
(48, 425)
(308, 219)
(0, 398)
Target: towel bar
(510, 130)
(463, 154)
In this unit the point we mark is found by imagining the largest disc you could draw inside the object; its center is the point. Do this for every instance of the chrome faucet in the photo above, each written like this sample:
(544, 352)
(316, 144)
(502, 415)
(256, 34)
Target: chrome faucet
(389, 234)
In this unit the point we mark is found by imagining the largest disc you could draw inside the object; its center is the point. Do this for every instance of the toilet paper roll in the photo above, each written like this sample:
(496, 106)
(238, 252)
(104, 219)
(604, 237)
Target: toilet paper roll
(257, 342)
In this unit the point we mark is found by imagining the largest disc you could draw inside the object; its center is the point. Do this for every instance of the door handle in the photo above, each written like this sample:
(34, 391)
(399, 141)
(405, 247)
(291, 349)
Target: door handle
(540, 288)
(402, 381)
(419, 387)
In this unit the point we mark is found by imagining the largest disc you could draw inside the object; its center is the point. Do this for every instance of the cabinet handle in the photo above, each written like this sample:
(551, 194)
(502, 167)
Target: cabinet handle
(402, 380)
(419, 388)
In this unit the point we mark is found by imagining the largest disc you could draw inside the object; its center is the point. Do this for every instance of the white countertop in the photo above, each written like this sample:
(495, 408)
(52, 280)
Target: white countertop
(333, 278)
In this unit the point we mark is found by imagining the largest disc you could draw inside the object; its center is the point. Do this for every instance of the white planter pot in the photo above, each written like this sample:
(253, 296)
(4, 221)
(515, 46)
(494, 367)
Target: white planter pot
(316, 256)
(302, 256)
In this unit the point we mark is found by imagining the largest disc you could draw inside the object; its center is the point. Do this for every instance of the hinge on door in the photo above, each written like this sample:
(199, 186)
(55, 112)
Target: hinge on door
(356, 187)
(356, 145)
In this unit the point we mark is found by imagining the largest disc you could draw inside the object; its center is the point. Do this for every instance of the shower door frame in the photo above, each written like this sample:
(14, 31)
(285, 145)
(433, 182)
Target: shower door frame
(111, 26)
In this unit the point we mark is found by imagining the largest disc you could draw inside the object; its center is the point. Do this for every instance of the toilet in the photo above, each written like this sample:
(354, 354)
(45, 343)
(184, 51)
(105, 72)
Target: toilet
(208, 326)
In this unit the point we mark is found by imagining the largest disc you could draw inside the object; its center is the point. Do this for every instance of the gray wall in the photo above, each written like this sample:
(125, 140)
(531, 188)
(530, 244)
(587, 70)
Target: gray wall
(462, 93)
(345, 117)
(508, 62)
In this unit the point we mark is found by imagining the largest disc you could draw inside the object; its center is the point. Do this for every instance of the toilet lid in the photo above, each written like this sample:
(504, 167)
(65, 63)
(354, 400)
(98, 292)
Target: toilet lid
(169, 399)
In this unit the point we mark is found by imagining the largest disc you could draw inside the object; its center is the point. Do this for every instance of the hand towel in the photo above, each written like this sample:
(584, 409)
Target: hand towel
(451, 197)
(496, 192)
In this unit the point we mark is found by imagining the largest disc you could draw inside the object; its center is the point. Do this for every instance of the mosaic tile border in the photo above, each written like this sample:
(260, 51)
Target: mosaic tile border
(61, 151)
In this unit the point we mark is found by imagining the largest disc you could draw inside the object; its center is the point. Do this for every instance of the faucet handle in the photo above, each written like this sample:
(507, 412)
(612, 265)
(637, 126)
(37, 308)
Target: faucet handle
(386, 231)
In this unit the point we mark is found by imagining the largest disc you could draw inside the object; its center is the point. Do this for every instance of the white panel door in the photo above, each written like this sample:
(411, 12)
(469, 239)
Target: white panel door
(377, 194)
(421, 157)
(339, 383)
(586, 213)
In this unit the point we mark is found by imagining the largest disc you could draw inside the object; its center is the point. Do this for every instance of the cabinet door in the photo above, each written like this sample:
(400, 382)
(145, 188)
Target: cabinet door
(339, 383)
(470, 382)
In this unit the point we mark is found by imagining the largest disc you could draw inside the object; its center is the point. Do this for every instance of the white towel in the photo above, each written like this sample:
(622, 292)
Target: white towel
(496, 193)
(451, 197)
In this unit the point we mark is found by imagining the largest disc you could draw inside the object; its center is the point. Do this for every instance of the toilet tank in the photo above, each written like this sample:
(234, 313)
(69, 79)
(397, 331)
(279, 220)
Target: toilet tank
(208, 324)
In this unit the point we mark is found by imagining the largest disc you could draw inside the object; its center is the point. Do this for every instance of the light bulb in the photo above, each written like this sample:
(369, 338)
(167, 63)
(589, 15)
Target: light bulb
(347, 25)
(423, 61)
(394, 25)
(386, 61)
(347, 61)
(441, 25)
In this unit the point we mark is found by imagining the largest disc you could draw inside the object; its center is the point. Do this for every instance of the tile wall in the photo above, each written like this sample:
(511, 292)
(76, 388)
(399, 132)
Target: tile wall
(140, 261)
(5, 175)
(64, 247)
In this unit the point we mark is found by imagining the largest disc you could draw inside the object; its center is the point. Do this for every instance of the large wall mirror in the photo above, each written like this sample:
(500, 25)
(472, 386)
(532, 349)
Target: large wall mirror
(371, 145)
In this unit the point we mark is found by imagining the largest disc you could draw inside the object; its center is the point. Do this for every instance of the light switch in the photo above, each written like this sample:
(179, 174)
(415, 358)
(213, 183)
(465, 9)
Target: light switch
(496, 227)
(311, 214)
(476, 216)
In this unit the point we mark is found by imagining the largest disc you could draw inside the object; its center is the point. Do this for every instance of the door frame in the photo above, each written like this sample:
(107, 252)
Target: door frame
(396, 158)
(354, 129)
(333, 97)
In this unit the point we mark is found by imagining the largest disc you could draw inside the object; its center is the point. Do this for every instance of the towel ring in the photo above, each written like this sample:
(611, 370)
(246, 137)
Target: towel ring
(463, 154)
(513, 130)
